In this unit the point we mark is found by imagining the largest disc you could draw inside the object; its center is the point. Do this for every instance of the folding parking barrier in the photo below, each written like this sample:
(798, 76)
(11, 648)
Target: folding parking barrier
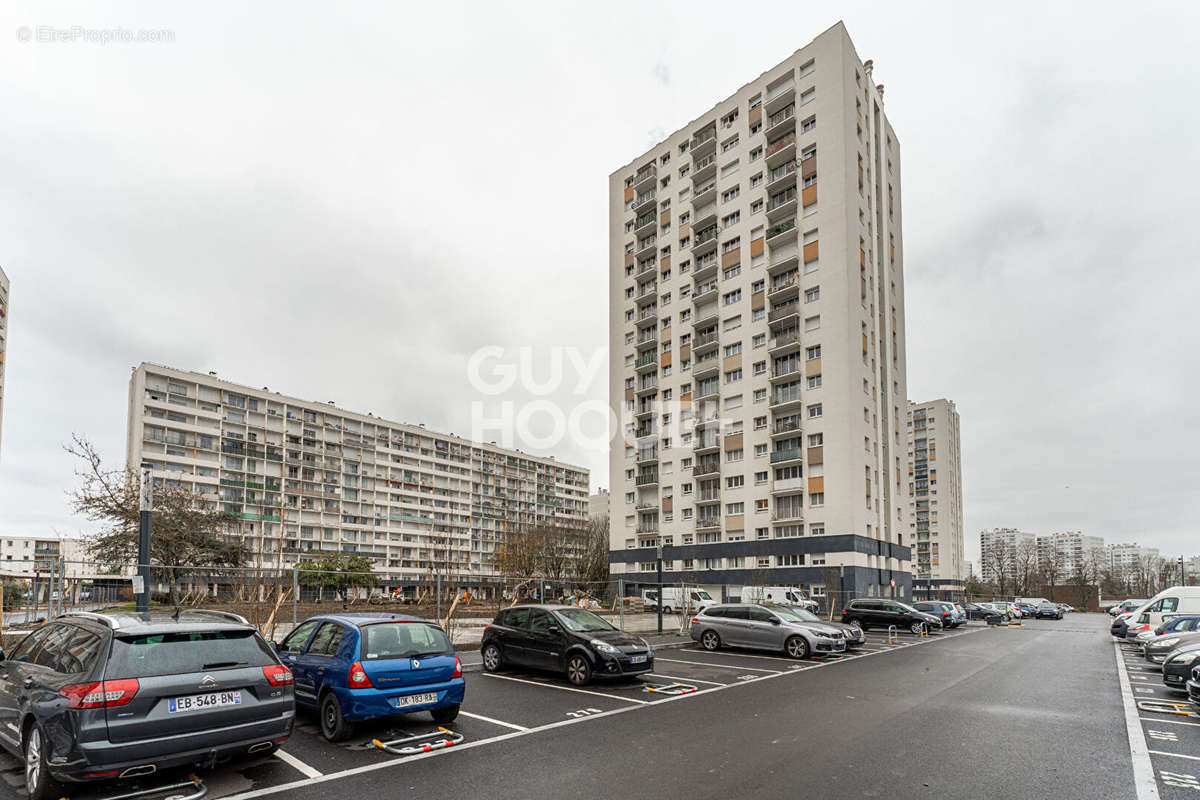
(197, 786)
(1168, 707)
(924, 630)
(893, 636)
(668, 688)
(421, 743)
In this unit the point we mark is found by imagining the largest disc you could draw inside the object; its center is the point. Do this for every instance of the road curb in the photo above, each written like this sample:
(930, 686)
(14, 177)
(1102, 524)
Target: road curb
(659, 646)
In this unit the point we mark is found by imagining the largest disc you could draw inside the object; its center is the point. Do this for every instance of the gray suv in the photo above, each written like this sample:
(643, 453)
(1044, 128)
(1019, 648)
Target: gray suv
(765, 628)
(91, 697)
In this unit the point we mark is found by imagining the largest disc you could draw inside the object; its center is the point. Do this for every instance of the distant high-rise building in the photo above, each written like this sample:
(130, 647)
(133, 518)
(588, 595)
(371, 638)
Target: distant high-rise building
(305, 478)
(1000, 549)
(748, 250)
(598, 504)
(4, 291)
(1068, 552)
(935, 497)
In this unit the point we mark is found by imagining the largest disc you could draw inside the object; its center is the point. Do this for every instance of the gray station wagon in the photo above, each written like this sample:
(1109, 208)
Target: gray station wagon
(762, 627)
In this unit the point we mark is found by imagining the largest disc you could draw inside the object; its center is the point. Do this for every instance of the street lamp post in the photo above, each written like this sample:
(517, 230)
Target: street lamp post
(147, 499)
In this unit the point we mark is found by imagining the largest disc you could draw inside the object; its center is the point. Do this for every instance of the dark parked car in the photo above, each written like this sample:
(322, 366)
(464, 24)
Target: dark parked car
(1193, 686)
(1048, 611)
(97, 696)
(1120, 625)
(1178, 664)
(355, 667)
(945, 612)
(976, 611)
(565, 639)
(882, 613)
(1026, 609)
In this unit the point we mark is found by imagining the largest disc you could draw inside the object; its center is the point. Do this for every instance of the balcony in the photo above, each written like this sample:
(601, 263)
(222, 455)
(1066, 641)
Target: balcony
(647, 387)
(785, 400)
(779, 96)
(784, 288)
(704, 143)
(643, 202)
(707, 444)
(647, 337)
(705, 267)
(645, 431)
(782, 176)
(702, 341)
(703, 368)
(784, 456)
(704, 317)
(790, 514)
(786, 425)
(784, 311)
(781, 122)
(648, 360)
(647, 527)
(649, 290)
(789, 370)
(708, 389)
(789, 485)
(648, 410)
(704, 242)
(645, 248)
(782, 205)
(709, 496)
(784, 342)
(648, 316)
(707, 469)
(647, 455)
(704, 168)
(777, 232)
(781, 150)
(704, 195)
(708, 523)
(647, 478)
(703, 294)
(645, 224)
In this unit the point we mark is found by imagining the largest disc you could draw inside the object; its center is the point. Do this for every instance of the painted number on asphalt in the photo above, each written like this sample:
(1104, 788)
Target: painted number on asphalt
(1163, 736)
(583, 712)
(747, 677)
(1179, 780)
(1140, 690)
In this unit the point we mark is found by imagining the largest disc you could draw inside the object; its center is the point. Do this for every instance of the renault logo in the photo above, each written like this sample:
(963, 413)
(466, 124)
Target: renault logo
(209, 682)
(416, 663)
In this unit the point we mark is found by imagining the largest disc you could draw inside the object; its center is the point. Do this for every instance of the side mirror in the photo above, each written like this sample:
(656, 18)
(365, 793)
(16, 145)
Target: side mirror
(775, 621)
(554, 629)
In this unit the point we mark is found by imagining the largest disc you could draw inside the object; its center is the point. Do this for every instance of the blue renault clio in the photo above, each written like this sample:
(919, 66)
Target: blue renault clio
(354, 667)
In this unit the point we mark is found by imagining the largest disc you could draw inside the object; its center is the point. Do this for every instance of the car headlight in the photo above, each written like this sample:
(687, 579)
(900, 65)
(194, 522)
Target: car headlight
(1183, 659)
(1166, 642)
(645, 644)
(604, 647)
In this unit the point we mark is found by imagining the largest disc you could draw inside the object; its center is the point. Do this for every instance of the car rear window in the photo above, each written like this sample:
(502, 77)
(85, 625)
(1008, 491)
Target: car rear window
(191, 651)
(403, 640)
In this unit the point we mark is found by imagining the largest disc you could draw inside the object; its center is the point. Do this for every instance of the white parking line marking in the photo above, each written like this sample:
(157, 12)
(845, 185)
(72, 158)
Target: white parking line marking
(733, 653)
(500, 722)
(387, 763)
(1163, 736)
(297, 764)
(1171, 722)
(1175, 755)
(565, 688)
(685, 680)
(1143, 771)
(718, 666)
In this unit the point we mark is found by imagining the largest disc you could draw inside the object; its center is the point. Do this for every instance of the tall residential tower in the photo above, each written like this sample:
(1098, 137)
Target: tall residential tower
(4, 287)
(935, 498)
(756, 318)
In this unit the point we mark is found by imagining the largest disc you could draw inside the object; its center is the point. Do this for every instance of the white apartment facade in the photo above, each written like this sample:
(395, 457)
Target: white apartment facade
(999, 550)
(305, 478)
(935, 498)
(1068, 551)
(599, 505)
(27, 556)
(1125, 556)
(749, 251)
(4, 301)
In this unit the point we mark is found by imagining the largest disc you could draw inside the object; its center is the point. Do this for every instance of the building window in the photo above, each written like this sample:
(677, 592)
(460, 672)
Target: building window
(812, 294)
(814, 411)
(729, 194)
(817, 499)
(734, 455)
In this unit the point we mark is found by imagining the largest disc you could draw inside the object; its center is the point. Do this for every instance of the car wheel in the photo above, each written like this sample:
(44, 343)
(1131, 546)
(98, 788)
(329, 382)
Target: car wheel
(796, 647)
(38, 783)
(666, 609)
(915, 627)
(334, 727)
(709, 640)
(445, 714)
(492, 658)
(579, 670)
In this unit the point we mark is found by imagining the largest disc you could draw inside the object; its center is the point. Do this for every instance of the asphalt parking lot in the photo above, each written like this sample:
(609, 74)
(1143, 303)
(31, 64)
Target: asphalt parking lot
(1034, 711)
(1170, 741)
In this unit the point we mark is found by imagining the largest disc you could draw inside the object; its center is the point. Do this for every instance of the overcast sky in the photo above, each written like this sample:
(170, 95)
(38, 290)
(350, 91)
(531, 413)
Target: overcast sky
(345, 207)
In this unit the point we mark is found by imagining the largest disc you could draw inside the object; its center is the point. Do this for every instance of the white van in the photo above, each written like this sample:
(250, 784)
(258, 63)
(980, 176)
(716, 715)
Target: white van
(1166, 604)
(674, 599)
(1032, 601)
(782, 595)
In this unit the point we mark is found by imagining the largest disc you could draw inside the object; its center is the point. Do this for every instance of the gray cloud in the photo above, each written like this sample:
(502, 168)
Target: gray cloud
(346, 209)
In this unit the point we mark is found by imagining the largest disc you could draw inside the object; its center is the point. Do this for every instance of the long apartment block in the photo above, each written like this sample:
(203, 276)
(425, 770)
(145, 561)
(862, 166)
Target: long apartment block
(304, 478)
(757, 339)
(935, 498)
(4, 291)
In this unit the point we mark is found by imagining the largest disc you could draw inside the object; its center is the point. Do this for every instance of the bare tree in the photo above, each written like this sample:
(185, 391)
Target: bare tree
(593, 566)
(189, 531)
(998, 562)
(1025, 566)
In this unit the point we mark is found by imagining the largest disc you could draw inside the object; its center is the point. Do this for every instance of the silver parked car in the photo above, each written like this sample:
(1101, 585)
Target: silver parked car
(765, 628)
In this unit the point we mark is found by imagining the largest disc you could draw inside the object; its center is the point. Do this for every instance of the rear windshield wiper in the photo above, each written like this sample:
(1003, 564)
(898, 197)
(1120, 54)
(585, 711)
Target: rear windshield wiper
(217, 664)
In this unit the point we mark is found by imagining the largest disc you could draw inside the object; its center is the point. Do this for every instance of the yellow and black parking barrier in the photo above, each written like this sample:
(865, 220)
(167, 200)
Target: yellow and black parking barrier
(668, 688)
(421, 743)
(1168, 707)
(893, 635)
(194, 783)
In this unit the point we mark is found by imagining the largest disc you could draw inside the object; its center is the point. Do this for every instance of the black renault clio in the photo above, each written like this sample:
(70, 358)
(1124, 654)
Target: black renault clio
(565, 639)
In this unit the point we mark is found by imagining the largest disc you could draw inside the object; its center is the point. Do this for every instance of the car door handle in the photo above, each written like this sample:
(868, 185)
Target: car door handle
(28, 683)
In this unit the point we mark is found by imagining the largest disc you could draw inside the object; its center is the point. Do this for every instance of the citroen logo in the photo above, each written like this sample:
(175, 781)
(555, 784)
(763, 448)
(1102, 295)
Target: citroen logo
(208, 682)
(416, 663)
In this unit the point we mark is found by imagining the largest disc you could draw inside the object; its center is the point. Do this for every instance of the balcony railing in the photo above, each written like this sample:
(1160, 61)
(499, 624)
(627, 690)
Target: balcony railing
(647, 478)
(704, 162)
(645, 360)
(783, 371)
(784, 340)
(703, 339)
(786, 425)
(783, 198)
(784, 283)
(779, 116)
(789, 396)
(708, 522)
(782, 227)
(779, 144)
(790, 454)
(706, 468)
(782, 171)
(708, 234)
(786, 310)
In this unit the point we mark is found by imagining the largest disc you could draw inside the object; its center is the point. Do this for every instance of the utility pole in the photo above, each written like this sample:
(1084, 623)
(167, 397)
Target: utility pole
(147, 498)
(660, 587)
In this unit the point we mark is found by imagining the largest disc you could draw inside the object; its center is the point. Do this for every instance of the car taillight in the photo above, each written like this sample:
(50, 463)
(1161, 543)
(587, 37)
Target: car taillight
(357, 678)
(695, 620)
(844, 611)
(277, 675)
(100, 694)
(457, 668)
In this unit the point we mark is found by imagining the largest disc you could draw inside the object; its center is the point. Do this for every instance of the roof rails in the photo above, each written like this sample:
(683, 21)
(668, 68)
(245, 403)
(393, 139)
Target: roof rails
(229, 615)
(106, 619)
